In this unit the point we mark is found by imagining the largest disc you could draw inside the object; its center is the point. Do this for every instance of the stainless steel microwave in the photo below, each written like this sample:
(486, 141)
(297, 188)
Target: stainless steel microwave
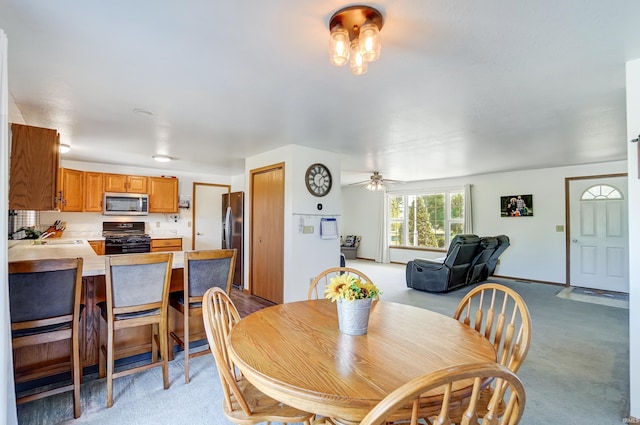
(125, 203)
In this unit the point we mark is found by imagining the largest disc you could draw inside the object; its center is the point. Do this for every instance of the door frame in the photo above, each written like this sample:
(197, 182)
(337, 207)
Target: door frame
(567, 217)
(193, 206)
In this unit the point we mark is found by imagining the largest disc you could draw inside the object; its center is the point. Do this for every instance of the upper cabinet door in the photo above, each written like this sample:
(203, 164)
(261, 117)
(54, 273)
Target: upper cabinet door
(33, 169)
(137, 184)
(115, 183)
(93, 191)
(72, 190)
(163, 195)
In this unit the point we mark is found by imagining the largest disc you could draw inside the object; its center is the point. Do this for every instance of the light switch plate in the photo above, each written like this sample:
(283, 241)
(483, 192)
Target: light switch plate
(307, 229)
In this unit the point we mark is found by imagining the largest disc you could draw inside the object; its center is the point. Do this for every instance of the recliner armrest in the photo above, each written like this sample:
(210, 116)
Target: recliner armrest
(439, 261)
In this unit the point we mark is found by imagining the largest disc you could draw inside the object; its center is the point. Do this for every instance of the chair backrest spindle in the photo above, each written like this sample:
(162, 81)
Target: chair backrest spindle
(508, 329)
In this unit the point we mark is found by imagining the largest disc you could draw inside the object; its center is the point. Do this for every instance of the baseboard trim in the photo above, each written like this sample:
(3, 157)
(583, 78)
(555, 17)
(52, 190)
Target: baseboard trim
(365, 259)
(520, 279)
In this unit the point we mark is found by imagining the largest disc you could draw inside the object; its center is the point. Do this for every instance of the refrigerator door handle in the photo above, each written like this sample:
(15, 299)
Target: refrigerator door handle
(227, 230)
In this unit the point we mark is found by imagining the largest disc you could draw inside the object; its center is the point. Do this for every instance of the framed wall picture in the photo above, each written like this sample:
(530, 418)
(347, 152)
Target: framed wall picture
(516, 206)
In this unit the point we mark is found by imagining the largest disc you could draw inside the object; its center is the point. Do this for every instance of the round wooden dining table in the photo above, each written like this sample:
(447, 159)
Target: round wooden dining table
(295, 353)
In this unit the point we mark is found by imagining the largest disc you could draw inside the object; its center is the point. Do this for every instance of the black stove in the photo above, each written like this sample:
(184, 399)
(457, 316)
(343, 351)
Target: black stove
(125, 237)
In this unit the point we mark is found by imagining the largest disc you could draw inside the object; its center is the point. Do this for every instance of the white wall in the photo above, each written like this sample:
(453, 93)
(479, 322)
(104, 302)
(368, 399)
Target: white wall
(7, 394)
(156, 223)
(305, 255)
(633, 130)
(534, 240)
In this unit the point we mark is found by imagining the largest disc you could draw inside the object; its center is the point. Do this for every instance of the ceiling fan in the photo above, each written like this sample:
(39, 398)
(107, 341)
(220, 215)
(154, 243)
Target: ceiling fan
(376, 182)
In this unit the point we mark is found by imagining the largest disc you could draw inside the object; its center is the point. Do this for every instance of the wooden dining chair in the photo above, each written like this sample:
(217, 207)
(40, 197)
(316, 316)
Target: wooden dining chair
(416, 396)
(500, 314)
(202, 270)
(243, 403)
(45, 306)
(137, 295)
(316, 289)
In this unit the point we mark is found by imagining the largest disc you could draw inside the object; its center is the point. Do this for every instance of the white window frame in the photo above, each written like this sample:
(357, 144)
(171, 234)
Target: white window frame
(447, 192)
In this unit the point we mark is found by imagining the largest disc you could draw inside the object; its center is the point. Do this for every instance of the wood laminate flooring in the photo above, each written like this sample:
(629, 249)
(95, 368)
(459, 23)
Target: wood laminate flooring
(246, 303)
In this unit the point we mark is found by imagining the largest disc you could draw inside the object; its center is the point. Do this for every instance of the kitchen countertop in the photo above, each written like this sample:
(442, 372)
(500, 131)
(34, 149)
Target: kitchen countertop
(93, 264)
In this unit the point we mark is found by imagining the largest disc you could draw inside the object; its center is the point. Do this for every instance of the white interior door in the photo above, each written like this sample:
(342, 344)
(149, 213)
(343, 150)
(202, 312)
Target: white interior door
(599, 238)
(207, 215)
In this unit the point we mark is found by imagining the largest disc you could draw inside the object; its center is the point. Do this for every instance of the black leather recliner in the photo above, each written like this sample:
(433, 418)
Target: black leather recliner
(478, 269)
(433, 276)
(470, 259)
(503, 243)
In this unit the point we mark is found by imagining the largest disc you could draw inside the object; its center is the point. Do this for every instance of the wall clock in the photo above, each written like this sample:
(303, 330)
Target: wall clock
(318, 179)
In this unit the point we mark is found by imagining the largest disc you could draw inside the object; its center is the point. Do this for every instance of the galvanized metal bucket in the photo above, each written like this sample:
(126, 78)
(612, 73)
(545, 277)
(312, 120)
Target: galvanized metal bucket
(353, 316)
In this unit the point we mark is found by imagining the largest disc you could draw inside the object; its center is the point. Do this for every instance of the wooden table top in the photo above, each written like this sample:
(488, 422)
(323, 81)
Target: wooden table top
(295, 353)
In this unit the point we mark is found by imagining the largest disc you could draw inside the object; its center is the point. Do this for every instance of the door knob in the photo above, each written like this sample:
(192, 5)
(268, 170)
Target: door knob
(574, 240)
(198, 233)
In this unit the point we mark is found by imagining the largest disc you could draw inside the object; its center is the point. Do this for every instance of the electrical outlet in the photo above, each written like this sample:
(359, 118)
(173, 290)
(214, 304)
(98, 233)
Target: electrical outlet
(498, 262)
(307, 229)
(157, 224)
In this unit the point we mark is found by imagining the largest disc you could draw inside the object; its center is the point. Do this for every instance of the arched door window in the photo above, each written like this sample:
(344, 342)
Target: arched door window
(601, 192)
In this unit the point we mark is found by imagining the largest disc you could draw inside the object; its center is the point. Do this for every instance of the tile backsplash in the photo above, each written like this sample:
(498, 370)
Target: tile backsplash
(19, 219)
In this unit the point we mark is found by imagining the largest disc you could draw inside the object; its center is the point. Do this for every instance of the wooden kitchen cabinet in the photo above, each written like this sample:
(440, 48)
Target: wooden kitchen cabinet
(98, 246)
(163, 195)
(71, 190)
(93, 191)
(124, 183)
(163, 245)
(33, 172)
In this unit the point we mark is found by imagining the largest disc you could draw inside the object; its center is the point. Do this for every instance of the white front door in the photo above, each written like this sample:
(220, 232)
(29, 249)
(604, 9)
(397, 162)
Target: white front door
(599, 238)
(207, 215)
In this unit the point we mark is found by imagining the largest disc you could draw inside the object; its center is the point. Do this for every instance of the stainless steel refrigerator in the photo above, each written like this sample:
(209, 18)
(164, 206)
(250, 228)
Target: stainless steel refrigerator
(233, 231)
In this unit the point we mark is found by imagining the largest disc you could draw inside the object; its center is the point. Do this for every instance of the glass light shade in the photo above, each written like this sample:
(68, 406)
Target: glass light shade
(64, 148)
(339, 46)
(370, 41)
(162, 158)
(374, 185)
(357, 64)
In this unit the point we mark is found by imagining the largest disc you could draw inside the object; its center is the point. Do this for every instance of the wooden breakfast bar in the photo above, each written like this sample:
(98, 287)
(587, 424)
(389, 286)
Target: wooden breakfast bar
(52, 358)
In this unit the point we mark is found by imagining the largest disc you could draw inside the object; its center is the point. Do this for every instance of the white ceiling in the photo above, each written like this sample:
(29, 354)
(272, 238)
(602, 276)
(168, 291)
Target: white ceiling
(462, 87)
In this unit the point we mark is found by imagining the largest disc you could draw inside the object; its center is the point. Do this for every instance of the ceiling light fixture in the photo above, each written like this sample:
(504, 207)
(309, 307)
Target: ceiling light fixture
(64, 148)
(162, 158)
(374, 185)
(355, 37)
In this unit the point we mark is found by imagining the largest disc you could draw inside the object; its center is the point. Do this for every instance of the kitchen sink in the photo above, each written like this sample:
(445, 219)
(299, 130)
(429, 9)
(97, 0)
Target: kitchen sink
(58, 242)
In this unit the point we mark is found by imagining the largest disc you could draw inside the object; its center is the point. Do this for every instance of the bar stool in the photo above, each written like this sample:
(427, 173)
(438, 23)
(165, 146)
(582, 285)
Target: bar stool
(45, 306)
(137, 294)
(202, 270)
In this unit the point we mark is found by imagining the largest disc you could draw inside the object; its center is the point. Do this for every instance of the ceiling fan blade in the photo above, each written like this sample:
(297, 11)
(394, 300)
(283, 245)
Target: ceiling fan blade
(358, 183)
